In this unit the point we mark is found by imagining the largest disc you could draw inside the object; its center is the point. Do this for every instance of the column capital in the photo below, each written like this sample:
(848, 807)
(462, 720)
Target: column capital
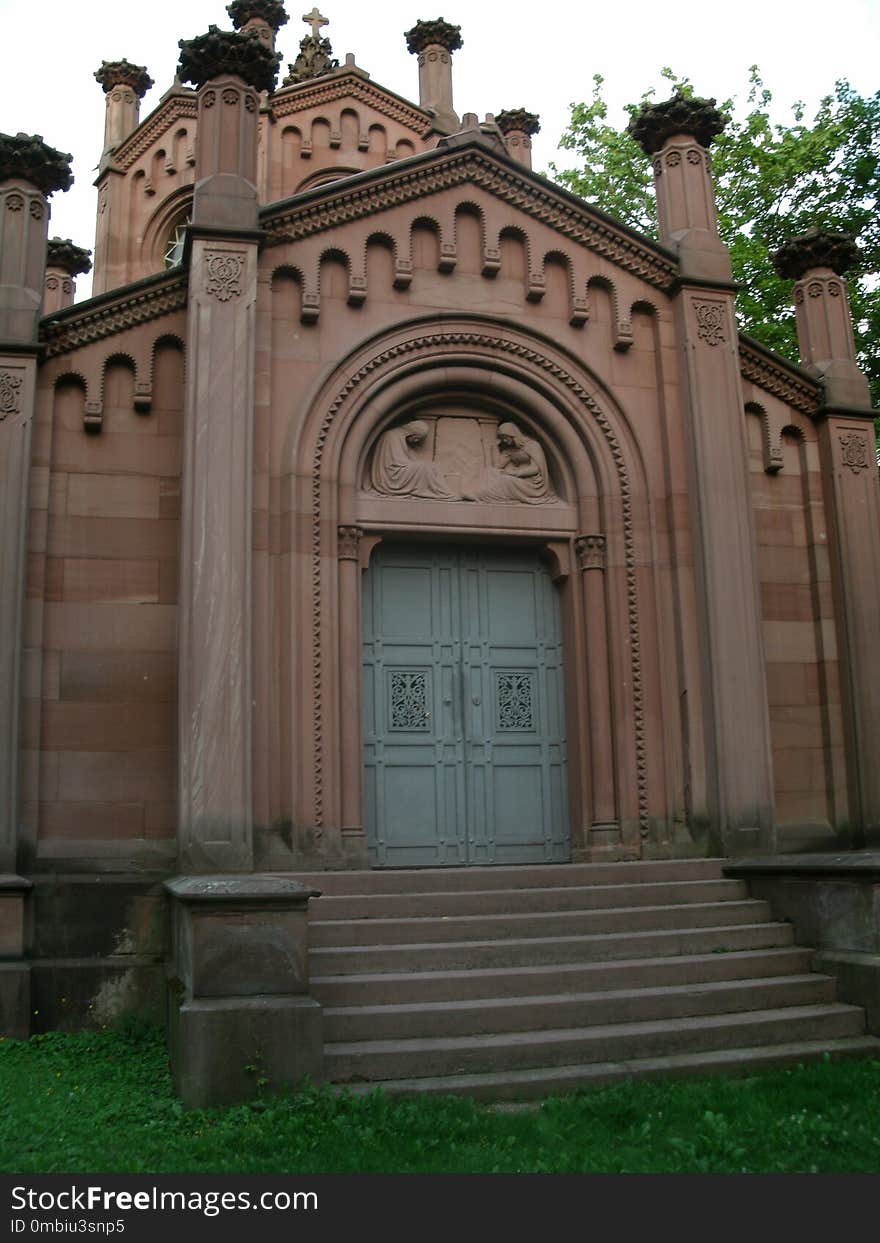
(591, 551)
(349, 539)
(272, 12)
(655, 124)
(518, 121)
(219, 53)
(437, 33)
(123, 73)
(817, 248)
(62, 253)
(28, 158)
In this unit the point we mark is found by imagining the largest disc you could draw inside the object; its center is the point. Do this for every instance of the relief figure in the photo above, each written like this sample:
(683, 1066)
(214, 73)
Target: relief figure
(522, 475)
(397, 472)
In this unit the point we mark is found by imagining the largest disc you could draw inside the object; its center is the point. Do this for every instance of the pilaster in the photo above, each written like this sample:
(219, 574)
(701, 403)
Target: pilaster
(735, 720)
(215, 694)
(817, 261)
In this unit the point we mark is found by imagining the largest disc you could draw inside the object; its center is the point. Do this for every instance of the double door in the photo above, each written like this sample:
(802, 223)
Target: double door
(463, 708)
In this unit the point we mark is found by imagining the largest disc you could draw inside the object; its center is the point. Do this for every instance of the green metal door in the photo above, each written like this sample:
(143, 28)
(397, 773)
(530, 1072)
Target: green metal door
(463, 709)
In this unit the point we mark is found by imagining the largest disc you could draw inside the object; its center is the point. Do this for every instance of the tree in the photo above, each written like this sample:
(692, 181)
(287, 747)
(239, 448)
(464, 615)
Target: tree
(772, 181)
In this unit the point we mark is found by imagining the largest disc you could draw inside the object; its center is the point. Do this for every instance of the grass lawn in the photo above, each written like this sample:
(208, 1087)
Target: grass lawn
(102, 1101)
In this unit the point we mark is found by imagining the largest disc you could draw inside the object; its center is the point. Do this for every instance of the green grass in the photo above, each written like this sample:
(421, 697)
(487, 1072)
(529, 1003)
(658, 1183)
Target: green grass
(102, 1101)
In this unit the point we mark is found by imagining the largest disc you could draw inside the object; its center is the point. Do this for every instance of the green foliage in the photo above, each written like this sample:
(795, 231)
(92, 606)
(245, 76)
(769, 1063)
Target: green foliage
(773, 181)
(102, 1101)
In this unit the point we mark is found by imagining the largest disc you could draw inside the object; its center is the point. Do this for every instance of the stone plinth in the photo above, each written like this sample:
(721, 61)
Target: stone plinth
(240, 1017)
(15, 974)
(833, 900)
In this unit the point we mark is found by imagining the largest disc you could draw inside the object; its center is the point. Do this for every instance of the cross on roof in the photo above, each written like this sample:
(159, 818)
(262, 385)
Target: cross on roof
(316, 21)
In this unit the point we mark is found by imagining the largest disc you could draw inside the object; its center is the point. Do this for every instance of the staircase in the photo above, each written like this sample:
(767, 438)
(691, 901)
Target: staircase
(517, 982)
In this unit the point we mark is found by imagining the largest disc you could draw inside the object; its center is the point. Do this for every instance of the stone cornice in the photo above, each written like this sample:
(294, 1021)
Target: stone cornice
(109, 314)
(366, 194)
(342, 85)
(777, 376)
(177, 108)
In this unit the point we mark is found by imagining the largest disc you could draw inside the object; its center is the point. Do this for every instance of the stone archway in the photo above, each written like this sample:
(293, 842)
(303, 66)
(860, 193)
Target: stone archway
(592, 535)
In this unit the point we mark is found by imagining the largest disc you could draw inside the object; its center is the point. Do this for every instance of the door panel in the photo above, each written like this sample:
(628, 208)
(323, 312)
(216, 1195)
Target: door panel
(464, 737)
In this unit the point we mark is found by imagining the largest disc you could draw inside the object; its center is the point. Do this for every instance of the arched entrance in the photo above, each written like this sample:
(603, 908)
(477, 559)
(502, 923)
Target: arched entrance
(464, 713)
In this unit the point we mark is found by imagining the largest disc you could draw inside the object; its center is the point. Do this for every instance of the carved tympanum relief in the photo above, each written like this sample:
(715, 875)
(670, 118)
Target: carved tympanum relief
(452, 458)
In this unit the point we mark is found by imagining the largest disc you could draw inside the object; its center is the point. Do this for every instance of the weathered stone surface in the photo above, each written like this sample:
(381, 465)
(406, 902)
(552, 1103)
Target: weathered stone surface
(124, 73)
(517, 119)
(682, 114)
(15, 1000)
(220, 52)
(427, 33)
(817, 248)
(314, 60)
(271, 11)
(62, 253)
(224, 1051)
(28, 157)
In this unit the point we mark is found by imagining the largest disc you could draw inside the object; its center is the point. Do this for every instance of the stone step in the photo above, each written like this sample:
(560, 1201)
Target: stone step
(529, 876)
(523, 901)
(528, 951)
(543, 924)
(429, 1057)
(538, 1083)
(402, 987)
(567, 1010)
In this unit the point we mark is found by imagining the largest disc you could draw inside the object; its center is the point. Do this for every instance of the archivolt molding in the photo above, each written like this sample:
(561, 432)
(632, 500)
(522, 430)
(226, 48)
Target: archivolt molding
(127, 310)
(400, 186)
(486, 344)
(773, 376)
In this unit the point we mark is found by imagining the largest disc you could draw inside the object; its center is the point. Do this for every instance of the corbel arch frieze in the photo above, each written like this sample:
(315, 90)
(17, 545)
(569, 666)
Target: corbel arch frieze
(585, 431)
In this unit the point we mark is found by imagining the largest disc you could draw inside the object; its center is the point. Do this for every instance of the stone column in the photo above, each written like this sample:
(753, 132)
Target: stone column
(605, 830)
(64, 262)
(735, 718)
(434, 42)
(816, 262)
(215, 799)
(29, 172)
(518, 128)
(348, 546)
(124, 85)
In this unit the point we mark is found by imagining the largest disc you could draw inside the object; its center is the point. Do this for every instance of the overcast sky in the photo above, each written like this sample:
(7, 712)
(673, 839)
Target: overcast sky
(515, 54)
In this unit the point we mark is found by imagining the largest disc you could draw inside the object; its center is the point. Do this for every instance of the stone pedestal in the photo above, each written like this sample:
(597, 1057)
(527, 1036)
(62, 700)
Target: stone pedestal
(241, 1021)
(15, 974)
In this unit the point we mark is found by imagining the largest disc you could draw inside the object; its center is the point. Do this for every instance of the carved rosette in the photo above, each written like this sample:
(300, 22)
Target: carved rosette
(438, 33)
(122, 73)
(591, 551)
(28, 157)
(854, 452)
(10, 394)
(348, 543)
(711, 321)
(656, 123)
(223, 272)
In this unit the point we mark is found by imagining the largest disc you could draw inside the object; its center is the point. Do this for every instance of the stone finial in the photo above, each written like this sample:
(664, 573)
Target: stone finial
(517, 120)
(222, 52)
(817, 248)
(123, 73)
(437, 32)
(272, 13)
(315, 54)
(62, 253)
(682, 114)
(28, 157)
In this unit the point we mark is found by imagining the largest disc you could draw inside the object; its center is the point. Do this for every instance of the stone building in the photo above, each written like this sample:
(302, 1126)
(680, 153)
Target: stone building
(389, 507)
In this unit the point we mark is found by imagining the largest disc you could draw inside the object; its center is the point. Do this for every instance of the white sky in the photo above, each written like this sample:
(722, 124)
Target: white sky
(515, 54)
